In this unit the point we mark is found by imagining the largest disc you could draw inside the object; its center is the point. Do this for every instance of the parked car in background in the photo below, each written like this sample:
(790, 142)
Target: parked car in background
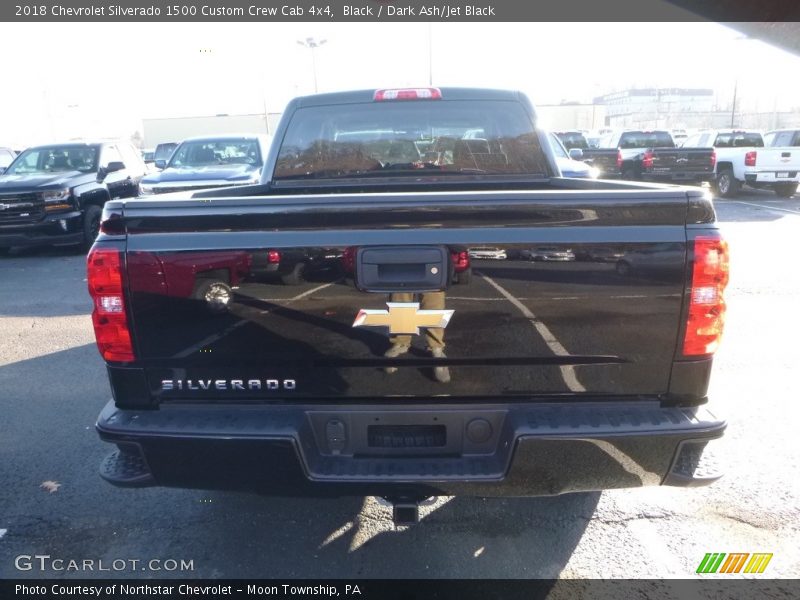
(570, 163)
(679, 136)
(292, 266)
(209, 277)
(7, 156)
(743, 159)
(54, 194)
(484, 252)
(149, 158)
(593, 140)
(548, 253)
(783, 137)
(163, 152)
(209, 162)
(573, 139)
(651, 156)
(651, 261)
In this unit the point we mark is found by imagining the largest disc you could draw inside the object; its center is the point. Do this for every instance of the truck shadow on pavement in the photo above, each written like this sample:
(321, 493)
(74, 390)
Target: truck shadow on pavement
(461, 537)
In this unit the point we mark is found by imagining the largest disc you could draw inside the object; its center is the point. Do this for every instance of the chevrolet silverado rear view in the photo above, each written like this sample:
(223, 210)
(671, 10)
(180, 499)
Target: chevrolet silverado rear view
(379, 367)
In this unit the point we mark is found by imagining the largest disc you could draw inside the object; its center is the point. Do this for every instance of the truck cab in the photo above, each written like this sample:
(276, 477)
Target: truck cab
(54, 194)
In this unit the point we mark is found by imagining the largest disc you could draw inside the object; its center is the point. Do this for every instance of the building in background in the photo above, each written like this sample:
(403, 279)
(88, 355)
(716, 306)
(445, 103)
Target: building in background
(656, 107)
(177, 129)
(571, 116)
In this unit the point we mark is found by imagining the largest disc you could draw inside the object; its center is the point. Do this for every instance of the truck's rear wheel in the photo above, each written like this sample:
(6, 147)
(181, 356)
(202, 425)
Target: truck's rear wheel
(91, 225)
(216, 294)
(464, 277)
(727, 185)
(786, 190)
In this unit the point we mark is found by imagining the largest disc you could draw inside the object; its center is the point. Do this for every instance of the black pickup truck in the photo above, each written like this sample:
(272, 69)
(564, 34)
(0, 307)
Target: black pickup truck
(531, 378)
(651, 156)
(54, 194)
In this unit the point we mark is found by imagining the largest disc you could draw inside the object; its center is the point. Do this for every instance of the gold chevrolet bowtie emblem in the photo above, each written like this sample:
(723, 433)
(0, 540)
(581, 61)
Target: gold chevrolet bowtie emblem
(403, 317)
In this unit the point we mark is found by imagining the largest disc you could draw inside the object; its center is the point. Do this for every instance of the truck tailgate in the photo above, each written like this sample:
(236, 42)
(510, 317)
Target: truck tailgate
(784, 161)
(682, 162)
(604, 159)
(583, 295)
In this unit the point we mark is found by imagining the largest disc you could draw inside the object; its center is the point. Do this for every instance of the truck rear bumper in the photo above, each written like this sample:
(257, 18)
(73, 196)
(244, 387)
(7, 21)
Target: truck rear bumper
(773, 177)
(679, 176)
(467, 449)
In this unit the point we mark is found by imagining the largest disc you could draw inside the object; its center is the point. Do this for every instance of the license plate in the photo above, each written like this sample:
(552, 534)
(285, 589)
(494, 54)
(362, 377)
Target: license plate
(782, 175)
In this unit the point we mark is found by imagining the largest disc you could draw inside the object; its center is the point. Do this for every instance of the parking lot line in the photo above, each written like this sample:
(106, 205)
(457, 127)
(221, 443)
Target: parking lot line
(567, 371)
(788, 210)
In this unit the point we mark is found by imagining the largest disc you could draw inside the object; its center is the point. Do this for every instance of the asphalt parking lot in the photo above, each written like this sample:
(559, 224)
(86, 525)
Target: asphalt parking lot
(54, 384)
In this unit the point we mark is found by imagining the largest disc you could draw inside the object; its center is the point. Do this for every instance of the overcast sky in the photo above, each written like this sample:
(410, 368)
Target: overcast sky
(62, 80)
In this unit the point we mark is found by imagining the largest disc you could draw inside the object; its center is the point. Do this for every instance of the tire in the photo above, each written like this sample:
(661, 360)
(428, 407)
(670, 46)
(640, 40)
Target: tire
(296, 276)
(465, 277)
(785, 190)
(623, 268)
(5, 250)
(216, 295)
(726, 184)
(91, 225)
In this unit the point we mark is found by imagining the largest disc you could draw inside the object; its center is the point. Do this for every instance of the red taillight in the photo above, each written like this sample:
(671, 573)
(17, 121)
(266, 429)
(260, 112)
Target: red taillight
(460, 260)
(104, 274)
(713, 158)
(408, 94)
(647, 160)
(750, 158)
(706, 302)
(349, 259)
(273, 256)
(619, 159)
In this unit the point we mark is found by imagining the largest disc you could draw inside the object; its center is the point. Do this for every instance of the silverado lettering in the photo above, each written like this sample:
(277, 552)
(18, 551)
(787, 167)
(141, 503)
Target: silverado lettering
(464, 320)
(233, 384)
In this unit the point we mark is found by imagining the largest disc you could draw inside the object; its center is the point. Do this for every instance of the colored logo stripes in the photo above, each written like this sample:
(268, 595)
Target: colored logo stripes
(719, 562)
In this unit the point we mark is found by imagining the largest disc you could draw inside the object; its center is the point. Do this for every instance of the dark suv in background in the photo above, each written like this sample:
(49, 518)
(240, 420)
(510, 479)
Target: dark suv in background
(54, 194)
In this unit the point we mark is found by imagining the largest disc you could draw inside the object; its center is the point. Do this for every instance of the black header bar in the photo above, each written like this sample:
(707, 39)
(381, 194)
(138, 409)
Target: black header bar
(266, 11)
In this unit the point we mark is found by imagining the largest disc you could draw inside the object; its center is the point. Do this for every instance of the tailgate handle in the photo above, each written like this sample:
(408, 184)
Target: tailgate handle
(786, 154)
(402, 268)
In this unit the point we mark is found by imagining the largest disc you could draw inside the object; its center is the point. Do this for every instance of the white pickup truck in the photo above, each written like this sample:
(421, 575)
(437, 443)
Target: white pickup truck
(743, 159)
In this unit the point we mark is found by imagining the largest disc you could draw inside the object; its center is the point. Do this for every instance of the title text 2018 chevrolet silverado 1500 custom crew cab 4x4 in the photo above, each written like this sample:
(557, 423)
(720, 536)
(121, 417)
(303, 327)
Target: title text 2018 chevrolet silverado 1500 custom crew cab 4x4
(532, 378)
(54, 195)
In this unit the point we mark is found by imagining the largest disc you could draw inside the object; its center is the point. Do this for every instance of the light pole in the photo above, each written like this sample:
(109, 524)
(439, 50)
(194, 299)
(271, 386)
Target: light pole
(430, 54)
(312, 44)
(741, 38)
